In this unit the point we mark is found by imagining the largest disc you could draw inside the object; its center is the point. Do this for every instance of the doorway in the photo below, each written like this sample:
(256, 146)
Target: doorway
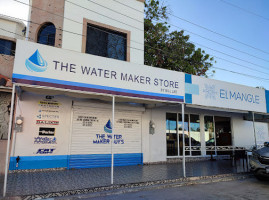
(223, 133)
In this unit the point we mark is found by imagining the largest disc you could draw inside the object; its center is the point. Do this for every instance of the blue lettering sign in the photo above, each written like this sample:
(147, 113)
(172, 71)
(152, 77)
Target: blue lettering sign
(244, 97)
(222, 93)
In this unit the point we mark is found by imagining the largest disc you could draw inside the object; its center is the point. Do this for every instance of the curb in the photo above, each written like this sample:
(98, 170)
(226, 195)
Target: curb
(157, 187)
(133, 187)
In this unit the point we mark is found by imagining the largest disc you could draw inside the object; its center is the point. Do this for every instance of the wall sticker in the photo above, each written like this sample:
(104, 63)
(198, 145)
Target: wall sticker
(43, 131)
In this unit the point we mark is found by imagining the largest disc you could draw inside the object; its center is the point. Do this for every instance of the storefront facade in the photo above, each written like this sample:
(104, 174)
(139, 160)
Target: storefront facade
(65, 86)
(65, 100)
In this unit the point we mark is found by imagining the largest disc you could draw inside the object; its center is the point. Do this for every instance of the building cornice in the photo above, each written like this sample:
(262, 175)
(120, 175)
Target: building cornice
(11, 19)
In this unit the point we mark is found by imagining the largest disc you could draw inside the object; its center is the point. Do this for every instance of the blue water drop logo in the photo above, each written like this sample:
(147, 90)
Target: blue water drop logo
(108, 127)
(36, 63)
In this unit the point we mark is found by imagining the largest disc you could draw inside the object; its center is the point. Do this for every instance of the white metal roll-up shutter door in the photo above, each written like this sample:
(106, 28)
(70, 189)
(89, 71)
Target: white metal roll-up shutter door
(91, 141)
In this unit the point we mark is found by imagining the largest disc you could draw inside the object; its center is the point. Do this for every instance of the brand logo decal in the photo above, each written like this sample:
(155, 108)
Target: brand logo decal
(108, 127)
(47, 116)
(46, 122)
(46, 131)
(45, 140)
(45, 151)
(210, 92)
(36, 63)
(107, 138)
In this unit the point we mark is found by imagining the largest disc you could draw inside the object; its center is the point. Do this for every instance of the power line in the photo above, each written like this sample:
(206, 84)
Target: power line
(10, 31)
(255, 70)
(167, 53)
(255, 77)
(230, 55)
(139, 21)
(156, 48)
(128, 6)
(116, 11)
(207, 29)
(58, 16)
(71, 31)
(179, 28)
(220, 34)
(251, 76)
(245, 10)
(242, 74)
(104, 15)
(218, 42)
(132, 40)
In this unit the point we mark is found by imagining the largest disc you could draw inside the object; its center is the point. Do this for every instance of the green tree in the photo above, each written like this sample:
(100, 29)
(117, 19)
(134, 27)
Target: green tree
(171, 50)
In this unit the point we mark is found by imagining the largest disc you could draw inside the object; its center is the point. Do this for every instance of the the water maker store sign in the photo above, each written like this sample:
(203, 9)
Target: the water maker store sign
(37, 64)
(227, 95)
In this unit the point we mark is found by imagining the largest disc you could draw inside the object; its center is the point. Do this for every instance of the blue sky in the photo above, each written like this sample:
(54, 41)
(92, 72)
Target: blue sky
(234, 23)
(219, 17)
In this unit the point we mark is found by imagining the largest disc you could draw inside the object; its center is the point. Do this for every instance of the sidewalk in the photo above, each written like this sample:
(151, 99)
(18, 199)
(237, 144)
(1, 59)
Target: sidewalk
(28, 183)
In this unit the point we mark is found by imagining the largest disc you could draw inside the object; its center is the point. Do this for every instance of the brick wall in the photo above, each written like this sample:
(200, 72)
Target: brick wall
(47, 12)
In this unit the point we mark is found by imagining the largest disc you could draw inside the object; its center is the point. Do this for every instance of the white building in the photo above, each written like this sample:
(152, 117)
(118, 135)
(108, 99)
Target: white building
(66, 93)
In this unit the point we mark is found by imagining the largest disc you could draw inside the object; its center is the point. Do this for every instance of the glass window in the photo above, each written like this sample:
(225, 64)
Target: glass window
(107, 43)
(171, 134)
(46, 34)
(7, 47)
(186, 133)
(195, 134)
(209, 134)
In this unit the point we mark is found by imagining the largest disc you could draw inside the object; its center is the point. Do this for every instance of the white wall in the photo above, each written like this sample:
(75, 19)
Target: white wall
(14, 28)
(154, 146)
(244, 132)
(156, 150)
(29, 109)
(109, 17)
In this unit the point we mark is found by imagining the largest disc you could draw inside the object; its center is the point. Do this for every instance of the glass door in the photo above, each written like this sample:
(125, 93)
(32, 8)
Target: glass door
(223, 133)
(171, 134)
(195, 138)
(210, 141)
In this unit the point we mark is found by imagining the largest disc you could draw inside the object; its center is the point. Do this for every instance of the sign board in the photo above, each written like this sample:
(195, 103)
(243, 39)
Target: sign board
(37, 64)
(43, 65)
(221, 94)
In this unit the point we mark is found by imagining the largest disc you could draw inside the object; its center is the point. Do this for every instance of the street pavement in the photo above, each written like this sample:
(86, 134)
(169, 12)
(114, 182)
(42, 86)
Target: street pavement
(250, 188)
